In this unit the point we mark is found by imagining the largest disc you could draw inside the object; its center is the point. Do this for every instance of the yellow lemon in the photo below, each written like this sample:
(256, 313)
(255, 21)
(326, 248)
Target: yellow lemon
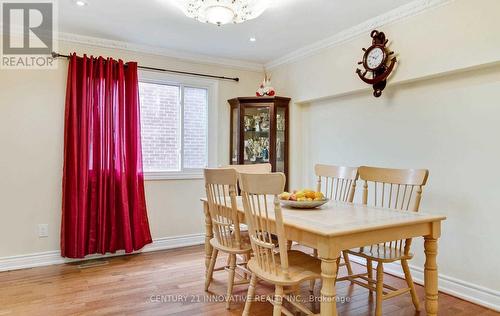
(299, 195)
(310, 195)
(285, 196)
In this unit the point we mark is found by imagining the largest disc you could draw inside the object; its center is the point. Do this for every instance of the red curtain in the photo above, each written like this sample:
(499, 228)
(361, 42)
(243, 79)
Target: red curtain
(103, 206)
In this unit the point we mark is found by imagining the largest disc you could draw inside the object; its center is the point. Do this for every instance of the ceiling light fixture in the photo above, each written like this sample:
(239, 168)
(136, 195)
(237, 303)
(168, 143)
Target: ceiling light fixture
(221, 12)
(81, 3)
(253, 39)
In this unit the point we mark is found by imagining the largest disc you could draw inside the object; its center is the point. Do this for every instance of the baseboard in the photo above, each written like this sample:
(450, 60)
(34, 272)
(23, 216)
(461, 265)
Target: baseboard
(174, 242)
(54, 257)
(461, 289)
(467, 291)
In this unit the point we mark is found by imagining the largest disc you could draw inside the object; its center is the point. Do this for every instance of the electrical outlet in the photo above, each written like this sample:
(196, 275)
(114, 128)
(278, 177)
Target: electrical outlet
(43, 230)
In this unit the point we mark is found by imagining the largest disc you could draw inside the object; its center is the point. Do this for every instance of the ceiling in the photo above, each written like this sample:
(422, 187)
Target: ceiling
(287, 25)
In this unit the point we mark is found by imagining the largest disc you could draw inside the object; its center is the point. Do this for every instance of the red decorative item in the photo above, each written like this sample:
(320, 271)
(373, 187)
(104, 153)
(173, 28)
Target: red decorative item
(103, 206)
(265, 88)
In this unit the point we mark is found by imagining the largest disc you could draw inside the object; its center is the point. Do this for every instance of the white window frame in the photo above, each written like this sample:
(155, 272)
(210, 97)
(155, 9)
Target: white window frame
(212, 87)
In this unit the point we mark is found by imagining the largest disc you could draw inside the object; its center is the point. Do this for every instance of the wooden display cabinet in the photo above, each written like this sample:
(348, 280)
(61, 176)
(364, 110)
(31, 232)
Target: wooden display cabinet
(260, 131)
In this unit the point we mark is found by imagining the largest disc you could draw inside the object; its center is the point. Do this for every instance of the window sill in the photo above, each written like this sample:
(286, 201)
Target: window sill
(152, 176)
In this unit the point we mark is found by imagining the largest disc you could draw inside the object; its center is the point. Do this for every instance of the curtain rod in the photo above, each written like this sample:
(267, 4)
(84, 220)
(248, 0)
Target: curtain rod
(57, 55)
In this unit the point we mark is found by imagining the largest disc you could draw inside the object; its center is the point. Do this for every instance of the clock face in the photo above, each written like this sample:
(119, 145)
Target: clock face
(375, 58)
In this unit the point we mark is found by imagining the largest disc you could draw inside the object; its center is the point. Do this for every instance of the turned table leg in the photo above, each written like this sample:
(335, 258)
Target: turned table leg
(208, 235)
(431, 276)
(328, 291)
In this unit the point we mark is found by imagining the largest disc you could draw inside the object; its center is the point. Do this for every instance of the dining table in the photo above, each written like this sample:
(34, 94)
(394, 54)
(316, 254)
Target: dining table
(337, 226)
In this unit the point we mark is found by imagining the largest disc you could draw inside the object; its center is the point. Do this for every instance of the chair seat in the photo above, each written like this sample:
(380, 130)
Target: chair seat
(381, 253)
(245, 246)
(302, 267)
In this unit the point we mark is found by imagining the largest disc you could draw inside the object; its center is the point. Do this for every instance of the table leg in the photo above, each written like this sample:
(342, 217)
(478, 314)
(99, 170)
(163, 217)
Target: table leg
(208, 235)
(431, 276)
(328, 291)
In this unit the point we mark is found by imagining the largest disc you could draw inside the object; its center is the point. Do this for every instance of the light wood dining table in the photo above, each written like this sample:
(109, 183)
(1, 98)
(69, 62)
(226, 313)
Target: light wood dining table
(338, 226)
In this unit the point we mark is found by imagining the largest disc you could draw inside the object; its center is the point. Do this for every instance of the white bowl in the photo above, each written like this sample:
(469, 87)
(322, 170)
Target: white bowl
(303, 204)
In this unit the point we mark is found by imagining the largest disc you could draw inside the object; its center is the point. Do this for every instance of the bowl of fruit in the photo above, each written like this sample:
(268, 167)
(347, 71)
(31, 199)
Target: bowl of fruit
(303, 199)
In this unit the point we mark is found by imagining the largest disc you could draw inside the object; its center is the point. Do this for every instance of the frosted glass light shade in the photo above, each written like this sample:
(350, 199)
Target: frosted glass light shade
(221, 12)
(219, 15)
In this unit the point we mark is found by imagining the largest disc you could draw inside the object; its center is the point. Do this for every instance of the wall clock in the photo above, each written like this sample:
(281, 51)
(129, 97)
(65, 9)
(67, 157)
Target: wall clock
(376, 63)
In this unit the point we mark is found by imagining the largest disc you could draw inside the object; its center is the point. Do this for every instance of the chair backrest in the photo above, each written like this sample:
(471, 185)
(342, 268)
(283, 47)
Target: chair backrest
(263, 213)
(259, 168)
(220, 185)
(399, 189)
(336, 182)
(254, 168)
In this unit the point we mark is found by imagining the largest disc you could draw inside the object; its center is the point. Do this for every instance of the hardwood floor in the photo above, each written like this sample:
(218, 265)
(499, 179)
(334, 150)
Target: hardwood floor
(171, 283)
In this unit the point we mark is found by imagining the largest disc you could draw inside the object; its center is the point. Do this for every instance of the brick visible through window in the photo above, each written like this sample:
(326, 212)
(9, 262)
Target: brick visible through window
(195, 127)
(162, 127)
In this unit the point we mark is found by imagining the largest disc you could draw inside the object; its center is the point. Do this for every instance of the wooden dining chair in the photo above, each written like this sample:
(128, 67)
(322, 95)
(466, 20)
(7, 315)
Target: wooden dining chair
(220, 185)
(338, 183)
(270, 262)
(252, 168)
(399, 189)
(260, 168)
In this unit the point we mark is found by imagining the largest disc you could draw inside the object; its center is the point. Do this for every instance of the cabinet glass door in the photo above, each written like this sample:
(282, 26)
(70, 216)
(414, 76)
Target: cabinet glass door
(235, 139)
(280, 139)
(256, 131)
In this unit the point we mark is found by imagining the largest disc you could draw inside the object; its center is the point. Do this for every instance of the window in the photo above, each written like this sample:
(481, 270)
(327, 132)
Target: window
(174, 128)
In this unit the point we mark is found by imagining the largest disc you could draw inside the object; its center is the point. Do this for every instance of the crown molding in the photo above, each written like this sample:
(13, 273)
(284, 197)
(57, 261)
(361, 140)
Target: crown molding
(403, 12)
(159, 51)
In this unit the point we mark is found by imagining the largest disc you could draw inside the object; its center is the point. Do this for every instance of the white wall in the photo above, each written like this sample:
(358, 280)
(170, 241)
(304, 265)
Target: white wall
(433, 114)
(449, 126)
(440, 111)
(31, 148)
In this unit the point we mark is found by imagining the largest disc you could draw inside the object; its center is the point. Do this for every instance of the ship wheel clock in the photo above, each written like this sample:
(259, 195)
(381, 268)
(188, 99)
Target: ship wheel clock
(376, 61)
